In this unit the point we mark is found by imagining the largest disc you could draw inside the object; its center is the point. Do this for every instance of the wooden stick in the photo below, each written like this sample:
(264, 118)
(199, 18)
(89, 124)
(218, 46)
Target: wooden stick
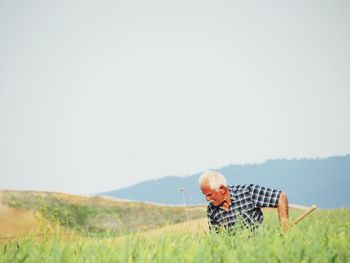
(307, 212)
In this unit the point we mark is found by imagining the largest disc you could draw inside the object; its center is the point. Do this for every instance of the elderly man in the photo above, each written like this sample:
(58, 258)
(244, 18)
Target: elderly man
(228, 204)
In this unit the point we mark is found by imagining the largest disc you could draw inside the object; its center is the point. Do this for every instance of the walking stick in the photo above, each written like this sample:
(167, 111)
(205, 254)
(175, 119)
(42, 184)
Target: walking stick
(305, 214)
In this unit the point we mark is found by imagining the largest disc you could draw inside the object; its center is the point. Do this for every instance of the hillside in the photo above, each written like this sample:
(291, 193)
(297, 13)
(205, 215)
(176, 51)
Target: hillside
(88, 215)
(323, 182)
(16, 221)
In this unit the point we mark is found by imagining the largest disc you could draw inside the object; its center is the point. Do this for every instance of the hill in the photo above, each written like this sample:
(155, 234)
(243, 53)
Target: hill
(318, 181)
(86, 215)
(16, 221)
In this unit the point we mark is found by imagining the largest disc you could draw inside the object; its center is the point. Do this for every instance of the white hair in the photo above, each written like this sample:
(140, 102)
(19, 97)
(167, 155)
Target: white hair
(213, 179)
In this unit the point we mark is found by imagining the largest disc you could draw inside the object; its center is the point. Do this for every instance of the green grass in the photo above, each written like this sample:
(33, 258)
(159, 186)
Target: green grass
(324, 236)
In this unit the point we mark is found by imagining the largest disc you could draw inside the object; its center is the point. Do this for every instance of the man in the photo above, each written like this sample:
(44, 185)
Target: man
(228, 204)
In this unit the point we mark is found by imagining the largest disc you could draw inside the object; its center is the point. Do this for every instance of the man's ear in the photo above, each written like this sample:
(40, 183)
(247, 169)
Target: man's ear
(222, 189)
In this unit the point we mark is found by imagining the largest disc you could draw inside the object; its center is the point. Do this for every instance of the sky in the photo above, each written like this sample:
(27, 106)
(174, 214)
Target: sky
(100, 95)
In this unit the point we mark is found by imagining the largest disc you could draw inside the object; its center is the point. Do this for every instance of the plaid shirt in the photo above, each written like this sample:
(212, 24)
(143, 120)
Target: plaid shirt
(246, 201)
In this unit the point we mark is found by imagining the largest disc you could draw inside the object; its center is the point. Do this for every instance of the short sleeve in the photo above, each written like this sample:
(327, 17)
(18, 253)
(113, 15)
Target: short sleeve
(263, 196)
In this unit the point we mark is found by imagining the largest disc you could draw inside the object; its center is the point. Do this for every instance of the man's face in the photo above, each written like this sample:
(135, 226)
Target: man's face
(216, 197)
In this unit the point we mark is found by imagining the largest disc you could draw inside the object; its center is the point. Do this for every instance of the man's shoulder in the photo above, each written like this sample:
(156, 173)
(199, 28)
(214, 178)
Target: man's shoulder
(239, 187)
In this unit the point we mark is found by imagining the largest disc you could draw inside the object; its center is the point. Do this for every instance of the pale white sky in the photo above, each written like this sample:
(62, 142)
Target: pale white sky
(99, 95)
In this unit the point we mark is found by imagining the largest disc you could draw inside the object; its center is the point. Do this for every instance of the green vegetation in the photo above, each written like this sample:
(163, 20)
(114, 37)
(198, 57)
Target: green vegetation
(324, 236)
(97, 215)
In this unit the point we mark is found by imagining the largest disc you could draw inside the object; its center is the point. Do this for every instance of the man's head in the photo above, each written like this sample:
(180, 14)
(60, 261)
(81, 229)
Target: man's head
(214, 186)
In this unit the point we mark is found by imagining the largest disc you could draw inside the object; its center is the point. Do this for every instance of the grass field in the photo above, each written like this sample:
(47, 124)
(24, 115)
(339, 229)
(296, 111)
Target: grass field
(324, 236)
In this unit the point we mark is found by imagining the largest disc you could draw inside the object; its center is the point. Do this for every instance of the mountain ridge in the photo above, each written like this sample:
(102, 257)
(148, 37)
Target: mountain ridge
(321, 181)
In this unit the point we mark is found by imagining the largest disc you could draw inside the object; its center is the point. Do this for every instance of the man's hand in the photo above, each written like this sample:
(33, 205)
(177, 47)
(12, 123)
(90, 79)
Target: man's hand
(282, 209)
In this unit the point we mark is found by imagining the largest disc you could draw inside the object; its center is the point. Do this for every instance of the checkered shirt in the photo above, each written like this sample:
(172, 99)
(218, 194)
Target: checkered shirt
(246, 201)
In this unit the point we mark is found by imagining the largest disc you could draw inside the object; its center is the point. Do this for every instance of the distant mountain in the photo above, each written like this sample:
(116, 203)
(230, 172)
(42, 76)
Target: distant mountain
(324, 182)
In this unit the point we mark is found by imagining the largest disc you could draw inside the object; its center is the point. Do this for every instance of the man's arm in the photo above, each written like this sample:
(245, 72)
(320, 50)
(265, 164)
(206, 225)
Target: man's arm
(282, 208)
(213, 225)
(267, 197)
